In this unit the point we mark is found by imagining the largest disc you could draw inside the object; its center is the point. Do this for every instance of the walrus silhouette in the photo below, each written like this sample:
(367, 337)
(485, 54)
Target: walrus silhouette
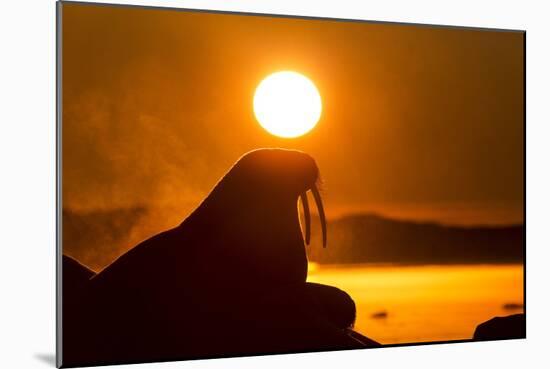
(246, 233)
(237, 262)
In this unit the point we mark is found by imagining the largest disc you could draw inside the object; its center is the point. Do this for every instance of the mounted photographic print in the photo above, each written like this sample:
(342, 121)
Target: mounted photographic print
(237, 184)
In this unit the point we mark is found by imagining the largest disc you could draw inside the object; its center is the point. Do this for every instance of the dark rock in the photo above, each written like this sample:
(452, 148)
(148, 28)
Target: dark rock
(379, 315)
(75, 276)
(498, 328)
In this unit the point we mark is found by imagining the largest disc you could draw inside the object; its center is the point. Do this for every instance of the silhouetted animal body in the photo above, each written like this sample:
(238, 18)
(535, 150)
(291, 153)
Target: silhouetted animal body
(236, 266)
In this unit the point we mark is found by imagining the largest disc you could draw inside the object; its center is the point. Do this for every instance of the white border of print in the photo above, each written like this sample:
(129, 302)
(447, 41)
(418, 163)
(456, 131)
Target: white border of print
(27, 188)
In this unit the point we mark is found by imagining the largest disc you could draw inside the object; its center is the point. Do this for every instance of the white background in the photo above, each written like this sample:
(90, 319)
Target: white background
(27, 182)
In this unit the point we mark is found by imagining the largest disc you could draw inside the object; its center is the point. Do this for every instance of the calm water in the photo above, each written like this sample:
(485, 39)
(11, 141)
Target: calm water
(425, 303)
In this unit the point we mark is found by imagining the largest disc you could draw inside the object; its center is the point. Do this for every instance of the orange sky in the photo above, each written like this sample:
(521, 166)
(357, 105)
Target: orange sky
(418, 122)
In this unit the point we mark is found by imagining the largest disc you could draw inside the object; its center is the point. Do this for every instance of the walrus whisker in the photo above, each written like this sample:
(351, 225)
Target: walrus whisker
(321, 211)
(307, 217)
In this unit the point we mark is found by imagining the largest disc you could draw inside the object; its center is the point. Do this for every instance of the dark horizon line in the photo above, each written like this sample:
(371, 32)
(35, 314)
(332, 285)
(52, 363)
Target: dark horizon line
(342, 217)
(427, 222)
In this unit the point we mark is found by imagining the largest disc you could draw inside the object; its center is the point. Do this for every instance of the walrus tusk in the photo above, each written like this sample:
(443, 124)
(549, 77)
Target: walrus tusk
(321, 211)
(307, 217)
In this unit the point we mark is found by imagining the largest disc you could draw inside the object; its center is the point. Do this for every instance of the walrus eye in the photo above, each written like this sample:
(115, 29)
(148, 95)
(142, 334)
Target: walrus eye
(321, 211)
(307, 217)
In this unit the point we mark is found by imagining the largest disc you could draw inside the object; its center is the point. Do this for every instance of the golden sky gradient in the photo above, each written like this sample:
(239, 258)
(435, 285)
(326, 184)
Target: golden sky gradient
(418, 122)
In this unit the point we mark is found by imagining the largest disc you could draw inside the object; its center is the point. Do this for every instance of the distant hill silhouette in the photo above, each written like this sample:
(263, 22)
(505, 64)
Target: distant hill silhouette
(97, 238)
(369, 238)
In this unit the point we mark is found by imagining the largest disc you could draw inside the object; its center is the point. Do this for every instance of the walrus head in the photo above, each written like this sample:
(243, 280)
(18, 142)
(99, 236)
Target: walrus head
(251, 213)
(279, 174)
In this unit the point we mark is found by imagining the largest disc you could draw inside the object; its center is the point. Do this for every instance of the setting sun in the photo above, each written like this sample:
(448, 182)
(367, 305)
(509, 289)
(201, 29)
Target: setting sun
(287, 104)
